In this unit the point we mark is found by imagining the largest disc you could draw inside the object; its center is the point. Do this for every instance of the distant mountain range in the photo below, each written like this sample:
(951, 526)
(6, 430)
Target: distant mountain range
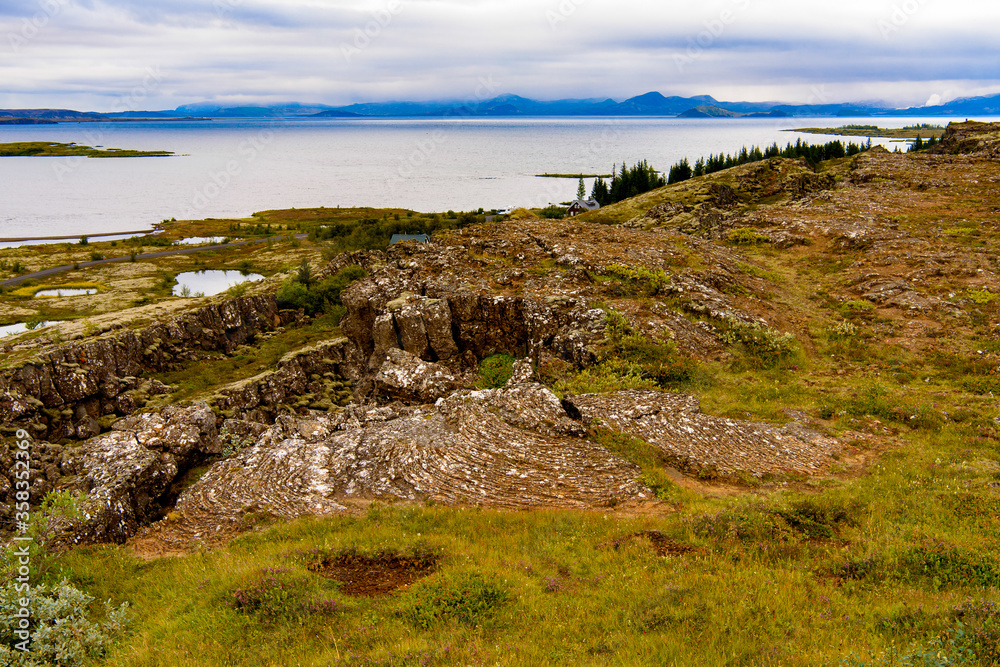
(648, 104)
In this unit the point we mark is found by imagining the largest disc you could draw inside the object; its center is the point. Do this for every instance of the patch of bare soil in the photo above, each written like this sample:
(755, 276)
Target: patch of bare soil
(372, 576)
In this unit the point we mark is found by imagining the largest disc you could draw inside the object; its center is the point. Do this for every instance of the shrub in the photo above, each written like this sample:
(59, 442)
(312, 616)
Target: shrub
(746, 236)
(495, 370)
(316, 297)
(468, 598)
(761, 346)
(280, 595)
(62, 629)
(944, 565)
(981, 297)
(638, 280)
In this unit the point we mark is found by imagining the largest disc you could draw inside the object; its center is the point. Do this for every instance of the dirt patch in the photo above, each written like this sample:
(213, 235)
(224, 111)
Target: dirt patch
(661, 544)
(372, 576)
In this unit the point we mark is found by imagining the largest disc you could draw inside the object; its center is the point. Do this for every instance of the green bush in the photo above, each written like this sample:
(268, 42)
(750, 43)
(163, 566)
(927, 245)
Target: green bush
(279, 595)
(62, 629)
(469, 598)
(302, 290)
(495, 370)
(638, 280)
(760, 346)
(746, 236)
(981, 297)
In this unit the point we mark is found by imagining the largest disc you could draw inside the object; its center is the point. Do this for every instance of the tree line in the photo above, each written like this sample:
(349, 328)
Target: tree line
(631, 181)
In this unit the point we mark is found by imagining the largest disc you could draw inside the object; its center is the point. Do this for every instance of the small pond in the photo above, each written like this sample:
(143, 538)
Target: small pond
(197, 240)
(21, 327)
(65, 292)
(209, 282)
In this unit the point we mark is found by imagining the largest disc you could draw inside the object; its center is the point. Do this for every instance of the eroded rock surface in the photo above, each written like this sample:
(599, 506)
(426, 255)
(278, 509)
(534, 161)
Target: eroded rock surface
(127, 473)
(405, 376)
(698, 443)
(512, 447)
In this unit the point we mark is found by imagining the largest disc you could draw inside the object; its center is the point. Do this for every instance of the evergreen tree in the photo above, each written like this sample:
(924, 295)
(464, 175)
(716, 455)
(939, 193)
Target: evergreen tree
(679, 172)
(600, 192)
(581, 189)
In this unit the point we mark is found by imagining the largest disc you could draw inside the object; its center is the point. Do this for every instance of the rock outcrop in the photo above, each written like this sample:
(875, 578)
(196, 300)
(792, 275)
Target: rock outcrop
(127, 474)
(406, 377)
(704, 445)
(971, 138)
(63, 393)
(317, 377)
(512, 447)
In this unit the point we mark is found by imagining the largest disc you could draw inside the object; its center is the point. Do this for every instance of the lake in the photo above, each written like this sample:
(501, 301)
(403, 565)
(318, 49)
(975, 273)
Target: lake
(233, 167)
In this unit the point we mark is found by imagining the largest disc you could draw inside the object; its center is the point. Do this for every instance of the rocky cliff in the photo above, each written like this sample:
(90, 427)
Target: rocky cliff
(74, 390)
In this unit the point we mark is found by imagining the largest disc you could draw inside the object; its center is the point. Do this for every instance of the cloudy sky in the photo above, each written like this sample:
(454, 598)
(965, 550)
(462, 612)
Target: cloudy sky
(114, 55)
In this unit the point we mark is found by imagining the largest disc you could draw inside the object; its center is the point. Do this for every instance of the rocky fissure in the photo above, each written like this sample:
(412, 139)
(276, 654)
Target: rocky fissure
(392, 410)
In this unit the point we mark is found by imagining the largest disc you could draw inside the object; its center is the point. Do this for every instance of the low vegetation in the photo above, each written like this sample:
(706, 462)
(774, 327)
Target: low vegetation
(54, 149)
(908, 132)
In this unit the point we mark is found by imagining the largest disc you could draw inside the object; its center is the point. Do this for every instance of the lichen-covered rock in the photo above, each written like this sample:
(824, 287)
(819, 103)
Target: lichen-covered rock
(522, 372)
(406, 377)
(127, 473)
(972, 138)
(504, 448)
(315, 376)
(704, 444)
(103, 370)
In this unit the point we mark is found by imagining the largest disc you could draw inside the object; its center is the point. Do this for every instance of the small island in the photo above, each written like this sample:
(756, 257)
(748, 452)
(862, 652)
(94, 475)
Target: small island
(925, 131)
(54, 149)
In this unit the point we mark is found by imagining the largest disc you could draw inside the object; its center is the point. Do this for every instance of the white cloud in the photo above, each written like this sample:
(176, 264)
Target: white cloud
(341, 51)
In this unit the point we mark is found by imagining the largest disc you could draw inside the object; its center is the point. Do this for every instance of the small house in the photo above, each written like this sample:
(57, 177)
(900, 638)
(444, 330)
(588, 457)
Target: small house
(582, 206)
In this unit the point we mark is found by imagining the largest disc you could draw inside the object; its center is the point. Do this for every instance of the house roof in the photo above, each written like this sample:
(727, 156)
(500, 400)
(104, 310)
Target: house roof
(585, 204)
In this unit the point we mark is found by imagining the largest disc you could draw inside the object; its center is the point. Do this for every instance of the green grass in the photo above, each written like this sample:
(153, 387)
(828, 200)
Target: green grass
(53, 149)
(204, 375)
(785, 579)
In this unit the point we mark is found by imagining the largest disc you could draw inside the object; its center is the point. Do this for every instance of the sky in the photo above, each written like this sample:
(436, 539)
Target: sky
(120, 55)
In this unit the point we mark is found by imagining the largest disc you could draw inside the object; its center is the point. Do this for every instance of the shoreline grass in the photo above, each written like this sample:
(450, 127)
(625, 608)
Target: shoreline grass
(55, 149)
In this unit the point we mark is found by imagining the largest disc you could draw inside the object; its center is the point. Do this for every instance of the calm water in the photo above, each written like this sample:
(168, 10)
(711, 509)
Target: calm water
(210, 282)
(231, 168)
(64, 292)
